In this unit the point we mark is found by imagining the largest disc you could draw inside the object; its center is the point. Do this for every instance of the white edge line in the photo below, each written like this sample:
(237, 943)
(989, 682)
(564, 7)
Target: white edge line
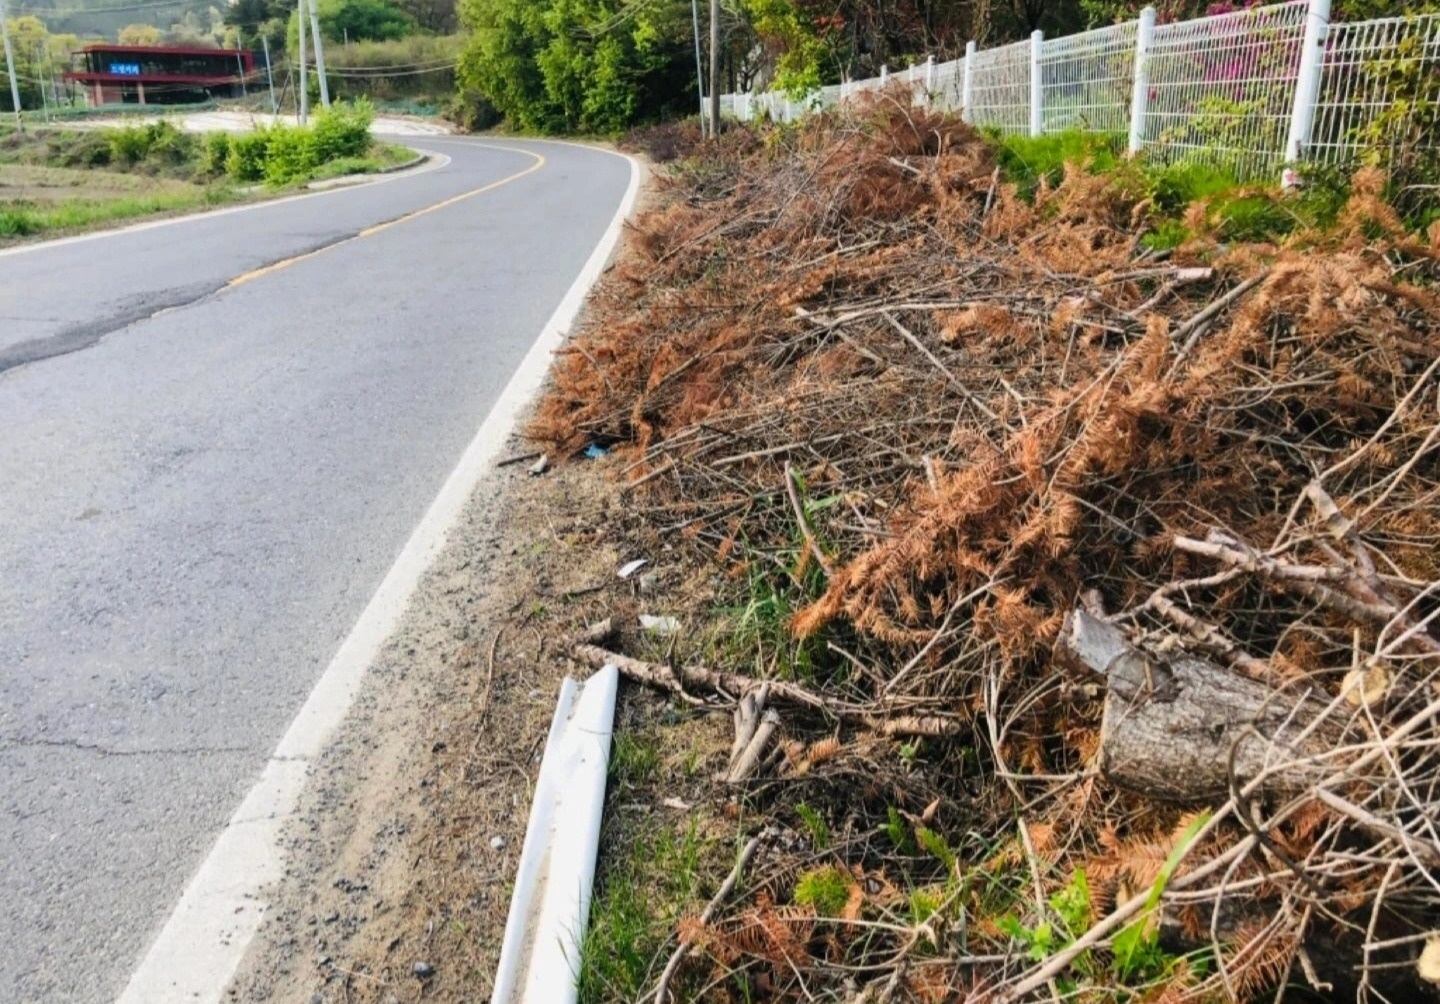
(206, 936)
(438, 161)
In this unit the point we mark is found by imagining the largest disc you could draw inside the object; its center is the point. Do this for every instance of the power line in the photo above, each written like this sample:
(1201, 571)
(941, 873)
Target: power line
(424, 64)
(378, 74)
(82, 12)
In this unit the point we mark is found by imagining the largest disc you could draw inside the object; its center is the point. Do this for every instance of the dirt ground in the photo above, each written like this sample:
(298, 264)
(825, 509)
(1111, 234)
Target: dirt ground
(409, 833)
(413, 822)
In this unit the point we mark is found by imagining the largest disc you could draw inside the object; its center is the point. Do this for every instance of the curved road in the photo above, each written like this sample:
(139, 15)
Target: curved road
(215, 444)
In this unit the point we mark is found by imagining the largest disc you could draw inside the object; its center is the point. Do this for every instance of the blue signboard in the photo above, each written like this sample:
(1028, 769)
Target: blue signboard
(125, 69)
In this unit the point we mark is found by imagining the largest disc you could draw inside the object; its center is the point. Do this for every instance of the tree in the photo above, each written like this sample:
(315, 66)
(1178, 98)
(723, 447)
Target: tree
(31, 41)
(438, 16)
(140, 34)
(1112, 11)
(364, 20)
(554, 65)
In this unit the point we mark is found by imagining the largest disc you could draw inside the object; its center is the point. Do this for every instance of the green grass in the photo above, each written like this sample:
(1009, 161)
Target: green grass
(1025, 160)
(22, 220)
(634, 912)
(1233, 210)
(634, 758)
(381, 157)
(650, 871)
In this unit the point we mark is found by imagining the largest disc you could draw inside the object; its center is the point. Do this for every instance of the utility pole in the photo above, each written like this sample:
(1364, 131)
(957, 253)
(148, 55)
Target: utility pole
(270, 75)
(319, 44)
(699, 65)
(714, 69)
(39, 62)
(10, 63)
(304, 94)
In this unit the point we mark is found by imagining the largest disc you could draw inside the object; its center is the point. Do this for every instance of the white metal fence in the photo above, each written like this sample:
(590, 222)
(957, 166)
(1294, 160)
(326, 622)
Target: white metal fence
(1250, 90)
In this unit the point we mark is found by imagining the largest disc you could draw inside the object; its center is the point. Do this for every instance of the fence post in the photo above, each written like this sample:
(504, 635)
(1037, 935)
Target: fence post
(884, 74)
(1140, 96)
(929, 78)
(1037, 110)
(1307, 83)
(967, 84)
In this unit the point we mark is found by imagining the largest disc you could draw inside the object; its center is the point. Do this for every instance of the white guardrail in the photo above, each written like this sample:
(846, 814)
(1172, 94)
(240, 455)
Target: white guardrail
(1254, 89)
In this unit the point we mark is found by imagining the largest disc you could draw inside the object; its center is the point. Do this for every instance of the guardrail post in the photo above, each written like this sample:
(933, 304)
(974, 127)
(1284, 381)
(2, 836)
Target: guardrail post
(1307, 83)
(1037, 110)
(967, 83)
(884, 74)
(1140, 96)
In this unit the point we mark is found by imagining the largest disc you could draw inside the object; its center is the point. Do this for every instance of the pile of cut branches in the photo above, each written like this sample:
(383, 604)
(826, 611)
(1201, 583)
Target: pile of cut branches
(1144, 545)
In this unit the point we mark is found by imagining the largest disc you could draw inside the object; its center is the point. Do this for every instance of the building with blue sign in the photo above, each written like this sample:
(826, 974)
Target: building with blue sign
(159, 74)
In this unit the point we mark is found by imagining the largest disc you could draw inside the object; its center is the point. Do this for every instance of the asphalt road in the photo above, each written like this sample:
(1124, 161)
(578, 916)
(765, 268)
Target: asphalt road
(201, 484)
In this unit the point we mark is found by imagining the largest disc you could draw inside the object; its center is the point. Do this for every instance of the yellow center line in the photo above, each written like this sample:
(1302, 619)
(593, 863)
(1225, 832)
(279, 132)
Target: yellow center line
(245, 277)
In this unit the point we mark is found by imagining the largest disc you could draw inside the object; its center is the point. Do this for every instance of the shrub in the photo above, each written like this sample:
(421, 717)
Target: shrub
(216, 153)
(85, 150)
(246, 158)
(282, 154)
(128, 144)
(159, 145)
(168, 146)
(289, 155)
(342, 130)
(472, 111)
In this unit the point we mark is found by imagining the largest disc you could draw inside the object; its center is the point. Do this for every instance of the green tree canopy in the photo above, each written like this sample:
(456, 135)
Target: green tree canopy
(600, 65)
(140, 34)
(364, 20)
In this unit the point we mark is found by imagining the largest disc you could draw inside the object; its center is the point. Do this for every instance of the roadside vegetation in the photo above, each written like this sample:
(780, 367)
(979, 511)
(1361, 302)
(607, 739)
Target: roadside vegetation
(415, 74)
(607, 65)
(981, 403)
(1183, 201)
(57, 180)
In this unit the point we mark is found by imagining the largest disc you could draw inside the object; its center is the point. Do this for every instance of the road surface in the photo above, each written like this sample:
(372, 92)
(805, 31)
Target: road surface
(215, 444)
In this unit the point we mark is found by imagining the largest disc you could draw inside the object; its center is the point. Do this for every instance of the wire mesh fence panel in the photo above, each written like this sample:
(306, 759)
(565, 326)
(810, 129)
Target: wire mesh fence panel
(913, 78)
(825, 97)
(1221, 89)
(949, 81)
(1086, 80)
(1000, 88)
(1379, 91)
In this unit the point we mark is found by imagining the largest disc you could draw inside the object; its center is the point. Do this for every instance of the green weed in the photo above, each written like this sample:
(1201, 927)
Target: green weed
(634, 758)
(1025, 160)
(899, 834)
(814, 825)
(826, 888)
(634, 909)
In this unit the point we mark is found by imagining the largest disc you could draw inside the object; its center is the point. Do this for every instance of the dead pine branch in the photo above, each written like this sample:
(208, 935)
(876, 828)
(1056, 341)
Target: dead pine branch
(693, 678)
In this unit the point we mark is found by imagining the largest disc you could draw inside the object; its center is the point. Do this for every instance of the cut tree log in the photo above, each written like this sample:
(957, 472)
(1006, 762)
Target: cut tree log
(1186, 730)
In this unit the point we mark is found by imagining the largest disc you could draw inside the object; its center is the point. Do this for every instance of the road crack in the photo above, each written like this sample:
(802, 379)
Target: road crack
(25, 742)
(83, 336)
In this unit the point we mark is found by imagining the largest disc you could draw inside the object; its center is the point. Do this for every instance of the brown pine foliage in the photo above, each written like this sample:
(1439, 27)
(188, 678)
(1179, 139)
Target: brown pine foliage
(993, 408)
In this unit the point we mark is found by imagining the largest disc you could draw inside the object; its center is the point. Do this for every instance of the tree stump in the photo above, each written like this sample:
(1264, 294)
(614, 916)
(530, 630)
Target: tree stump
(1182, 729)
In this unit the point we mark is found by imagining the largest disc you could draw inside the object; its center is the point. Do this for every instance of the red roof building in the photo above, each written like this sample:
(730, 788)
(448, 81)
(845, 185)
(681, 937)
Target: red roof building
(159, 74)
